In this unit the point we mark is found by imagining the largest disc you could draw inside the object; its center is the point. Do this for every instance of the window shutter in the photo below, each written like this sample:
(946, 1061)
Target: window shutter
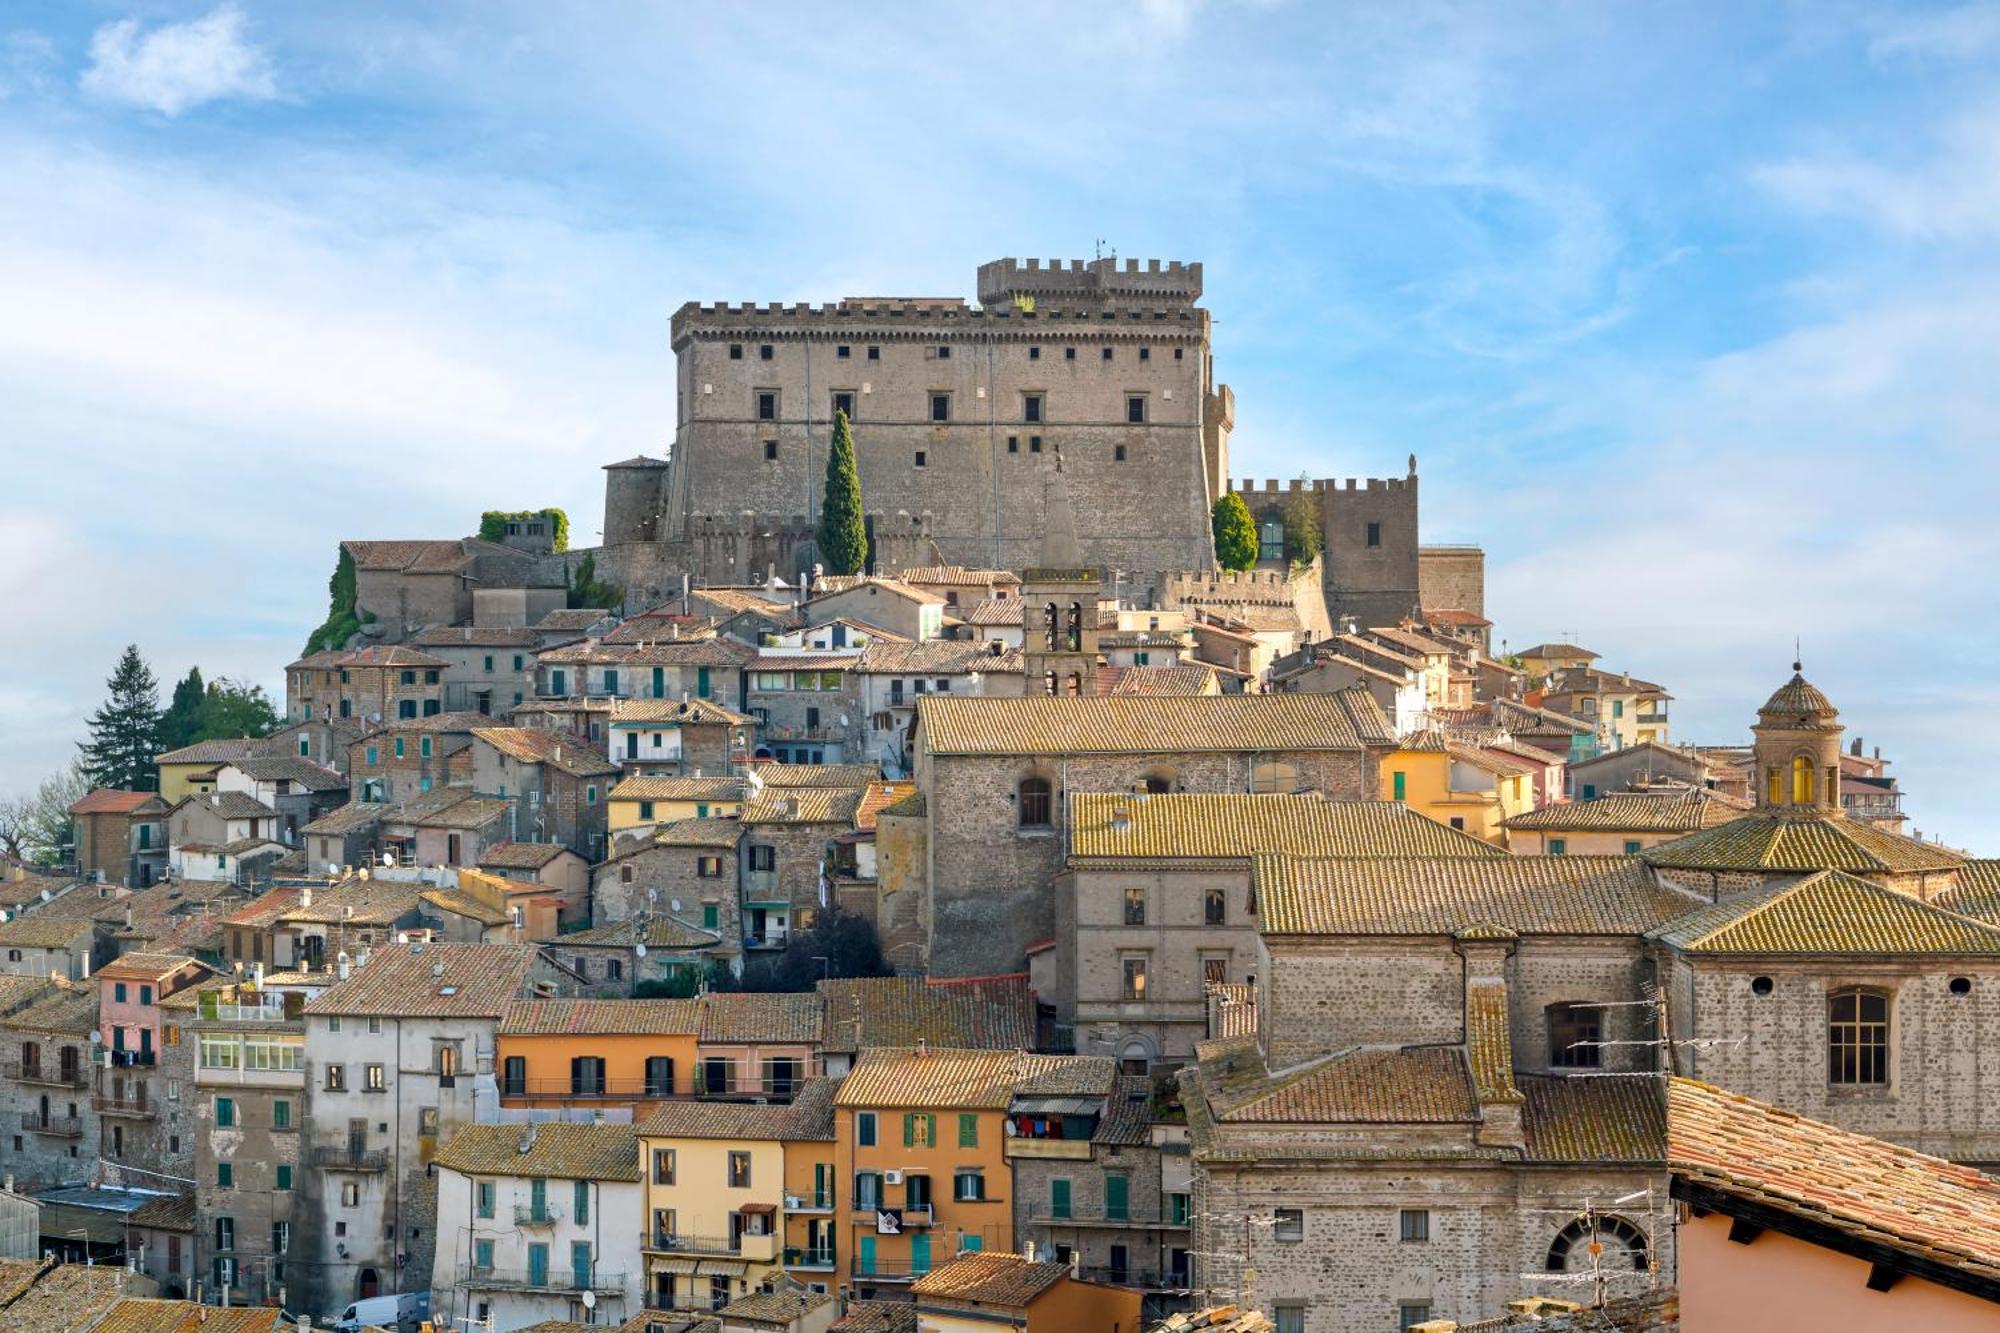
(909, 1129)
(930, 1130)
(968, 1131)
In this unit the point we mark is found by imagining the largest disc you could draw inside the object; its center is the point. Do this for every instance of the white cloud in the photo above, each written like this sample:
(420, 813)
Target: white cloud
(178, 65)
(1962, 33)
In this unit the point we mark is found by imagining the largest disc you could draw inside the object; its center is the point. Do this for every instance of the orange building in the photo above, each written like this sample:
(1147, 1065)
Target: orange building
(630, 1053)
(975, 1292)
(920, 1151)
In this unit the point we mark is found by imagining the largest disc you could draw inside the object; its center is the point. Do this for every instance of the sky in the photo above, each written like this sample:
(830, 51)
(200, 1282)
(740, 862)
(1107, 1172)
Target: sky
(1691, 313)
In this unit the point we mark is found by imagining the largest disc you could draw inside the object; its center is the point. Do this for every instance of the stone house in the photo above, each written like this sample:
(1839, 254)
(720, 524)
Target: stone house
(297, 791)
(489, 669)
(892, 676)
(41, 945)
(395, 1050)
(961, 588)
(707, 667)
(674, 737)
(558, 788)
(1624, 710)
(785, 855)
(638, 804)
(807, 705)
(689, 870)
(901, 608)
(348, 917)
(204, 823)
(1154, 907)
(585, 718)
(555, 869)
(448, 827)
(377, 684)
(347, 836)
(968, 1013)
(1638, 766)
(537, 1216)
(995, 775)
(47, 1080)
(404, 760)
(322, 740)
(607, 958)
(121, 836)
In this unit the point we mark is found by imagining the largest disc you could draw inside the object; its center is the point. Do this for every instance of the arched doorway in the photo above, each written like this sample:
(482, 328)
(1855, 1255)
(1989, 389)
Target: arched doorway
(370, 1285)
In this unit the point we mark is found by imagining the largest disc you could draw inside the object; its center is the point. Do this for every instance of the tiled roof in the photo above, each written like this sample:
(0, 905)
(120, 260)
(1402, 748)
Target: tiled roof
(658, 932)
(1234, 826)
(1656, 1311)
(571, 617)
(1530, 895)
(232, 805)
(1183, 680)
(681, 712)
(1007, 1280)
(1229, 723)
(1412, 641)
(476, 636)
(559, 1151)
(69, 1296)
(533, 745)
(913, 804)
(357, 902)
(111, 801)
(1828, 913)
(960, 576)
(349, 818)
(391, 656)
(1413, 1085)
(1217, 1319)
(1521, 717)
(803, 805)
(833, 585)
(520, 855)
(146, 966)
(760, 1016)
(693, 833)
(461, 904)
(14, 892)
(969, 1080)
(808, 1118)
(140, 1314)
(69, 1010)
(817, 775)
(1594, 1118)
(707, 651)
(933, 657)
(424, 556)
(401, 980)
(16, 1275)
(289, 768)
(545, 1018)
(1977, 892)
(460, 810)
(211, 752)
(1451, 615)
(1798, 700)
(995, 612)
(265, 909)
(877, 1317)
(1128, 1114)
(996, 1013)
(1791, 842)
(840, 661)
(1867, 1188)
(678, 789)
(38, 930)
(1489, 1042)
(1681, 811)
(172, 1212)
(778, 1309)
(879, 796)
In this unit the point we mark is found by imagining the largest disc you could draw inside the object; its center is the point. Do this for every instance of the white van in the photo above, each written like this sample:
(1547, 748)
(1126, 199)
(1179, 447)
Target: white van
(400, 1312)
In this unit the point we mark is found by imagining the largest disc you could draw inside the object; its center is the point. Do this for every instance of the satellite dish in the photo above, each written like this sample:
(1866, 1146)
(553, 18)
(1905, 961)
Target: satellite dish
(676, 904)
(639, 949)
(590, 1300)
(97, 1036)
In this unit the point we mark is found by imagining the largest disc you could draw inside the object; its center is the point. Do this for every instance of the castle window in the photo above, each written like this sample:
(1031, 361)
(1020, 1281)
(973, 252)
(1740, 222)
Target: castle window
(1271, 538)
(940, 407)
(1802, 781)
(1145, 354)
(1031, 407)
(1135, 905)
(1574, 1030)
(842, 351)
(1074, 685)
(765, 352)
(1069, 354)
(920, 458)
(1214, 908)
(736, 351)
(1598, 1243)
(1034, 354)
(1034, 794)
(1134, 967)
(1857, 1038)
(874, 354)
(943, 352)
(1374, 534)
(1177, 353)
(1107, 354)
(1013, 444)
(1034, 444)
(770, 451)
(1118, 454)
(767, 404)
(843, 403)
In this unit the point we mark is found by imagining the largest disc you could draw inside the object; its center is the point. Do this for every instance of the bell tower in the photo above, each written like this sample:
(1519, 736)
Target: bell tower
(1798, 751)
(1059, 601)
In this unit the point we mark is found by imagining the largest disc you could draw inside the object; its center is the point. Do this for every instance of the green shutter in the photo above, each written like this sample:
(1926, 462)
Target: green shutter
(968, 1131)
(971, 1244)
(1117, 1198)
(659, 682)
(909, 1129)
(867, 1256)
(1059, 1198)
(582, 1202)
(284, 1175)
(930, 1130)
(920, 1252)
(711, 915)
(701, 682)
(1400, 787)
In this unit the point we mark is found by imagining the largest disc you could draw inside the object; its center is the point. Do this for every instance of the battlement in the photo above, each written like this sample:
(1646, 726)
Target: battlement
(888, 317)
(1088, 279)
(1273, 489)
(748, 523)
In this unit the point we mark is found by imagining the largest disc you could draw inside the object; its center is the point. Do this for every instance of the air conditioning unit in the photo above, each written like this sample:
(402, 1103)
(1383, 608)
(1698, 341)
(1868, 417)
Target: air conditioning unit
(892, 1177)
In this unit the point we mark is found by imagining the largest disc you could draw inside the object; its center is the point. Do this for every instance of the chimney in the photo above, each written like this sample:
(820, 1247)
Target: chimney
(791, 807)
(306, 896)
(923, 1049)
(527, 1138)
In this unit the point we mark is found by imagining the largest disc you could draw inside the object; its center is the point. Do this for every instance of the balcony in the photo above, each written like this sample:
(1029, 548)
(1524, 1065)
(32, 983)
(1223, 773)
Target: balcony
(350, 1159)
(919, 1215)
(529, 1215)
(58, 1076)
(1145, 1279)
(804, 1203)
(608, 1090)
(59, 1126)
(819, 1260)
(770, 939)
(887, 1276)
(132, 1108)
(554, 1279)
(1068, 1150)
(1042, 1215)
(752, 1248)
(133, 1059)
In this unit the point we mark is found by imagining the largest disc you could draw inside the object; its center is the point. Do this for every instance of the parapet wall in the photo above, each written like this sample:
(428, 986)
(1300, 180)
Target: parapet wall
(1089, 279)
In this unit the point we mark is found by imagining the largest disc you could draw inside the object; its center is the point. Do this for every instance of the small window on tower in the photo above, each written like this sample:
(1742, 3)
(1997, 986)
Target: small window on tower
(843, 403)
(1069, 354)
(1118, 453)
(1135, 409)
(940, 407)
(1034, 444)
(766, 352)
(770, 451)
(874, 354)
(1374, 534)
(920, 458)
(1034, 354)
(736, 351)
(842, 351)
(943, 352)
(1013, 444)
(767, 405)
(1107, 354)
(1145, 354)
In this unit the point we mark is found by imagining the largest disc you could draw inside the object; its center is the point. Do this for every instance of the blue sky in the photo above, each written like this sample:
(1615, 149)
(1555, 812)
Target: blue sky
(1691, 313)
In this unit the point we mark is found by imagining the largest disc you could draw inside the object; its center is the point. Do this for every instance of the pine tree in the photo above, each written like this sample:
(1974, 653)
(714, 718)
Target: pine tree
(125, 732)
(1235, 534)
(181, 723)
(843, 536)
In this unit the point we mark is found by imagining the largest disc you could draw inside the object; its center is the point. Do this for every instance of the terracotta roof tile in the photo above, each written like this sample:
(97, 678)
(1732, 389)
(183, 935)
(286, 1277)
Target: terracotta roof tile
(1414, 1085)
(773, 1309)
(1789, 842)
(560, 1151)
(520, 855)
(959, 576)
(678, 712)
(68, 1296)
(476, 636)
(111, 801)
(289, 768)
(939, 657)
(759, 1016)
(1005, 1280)
(678, 789)
(1680, 811)
(1181, 681)
(995, 612)
(211, 752)
(996, 1013)
(1489, 1042)
(1231, 723)
(533, 745)
(1977, 893)
(400, 980)
(40, 931)
(1235, 826)
(804, 805)
(350, 818)
(136, 1314)
(787, 776)
(659, 932)
(706, 651)
(1828, 913)
(1869, 1188)
(601, 1017)
(1531, 895)
(968, 1079)
(877, 1317)
(807, 1118)
(1594, 1118)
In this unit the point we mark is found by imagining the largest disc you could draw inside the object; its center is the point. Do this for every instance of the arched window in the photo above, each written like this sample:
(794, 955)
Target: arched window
(1076, 627)
(1034, 795)
(1574, 1031)
(1857, 1038)
(1773, 786)
(1620, 1246)
(1156, 784)
(1049, 680)
(1073, 685)
(1273, 775)
(1052, 627)
(1802, 781)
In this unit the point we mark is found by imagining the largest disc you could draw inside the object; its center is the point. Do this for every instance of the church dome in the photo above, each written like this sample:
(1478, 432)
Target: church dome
(1799, 701)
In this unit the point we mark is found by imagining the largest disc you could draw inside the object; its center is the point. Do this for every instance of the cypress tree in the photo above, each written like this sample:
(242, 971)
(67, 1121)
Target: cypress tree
(843, 536)
(1235, 534)
(181, 723)
(125, 731)
(1303, 539)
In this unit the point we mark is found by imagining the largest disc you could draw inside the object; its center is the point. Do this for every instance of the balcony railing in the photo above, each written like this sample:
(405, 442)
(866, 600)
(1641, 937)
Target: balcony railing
(134, 1059)
(770, 939)
(134, 1108)
(351, 1159)
(892, 1275)
(809, 1203)
(62, 1126)
(528, 1215)
(757, 1247)
(528, 1279)
(816, 1259)
(640, 1090)
(1146, 1279)
(74, 1076)
(1098, 1217)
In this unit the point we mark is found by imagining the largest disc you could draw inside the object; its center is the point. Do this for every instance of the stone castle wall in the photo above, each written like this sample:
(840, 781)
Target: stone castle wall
(1370, 568)
(1452, 577)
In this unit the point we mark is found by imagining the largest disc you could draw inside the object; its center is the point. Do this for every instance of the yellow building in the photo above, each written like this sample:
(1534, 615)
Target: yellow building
(644, 802)
(190, 770)
(1462, 786)
(920, 1139)
(722, 1216)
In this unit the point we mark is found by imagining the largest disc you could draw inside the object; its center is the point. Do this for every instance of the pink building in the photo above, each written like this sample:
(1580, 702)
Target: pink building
(753, 1044)
(129, 991)
(1794, 1226)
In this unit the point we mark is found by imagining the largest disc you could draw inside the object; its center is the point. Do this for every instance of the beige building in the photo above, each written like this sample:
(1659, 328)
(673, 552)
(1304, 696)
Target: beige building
(1622, 823)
